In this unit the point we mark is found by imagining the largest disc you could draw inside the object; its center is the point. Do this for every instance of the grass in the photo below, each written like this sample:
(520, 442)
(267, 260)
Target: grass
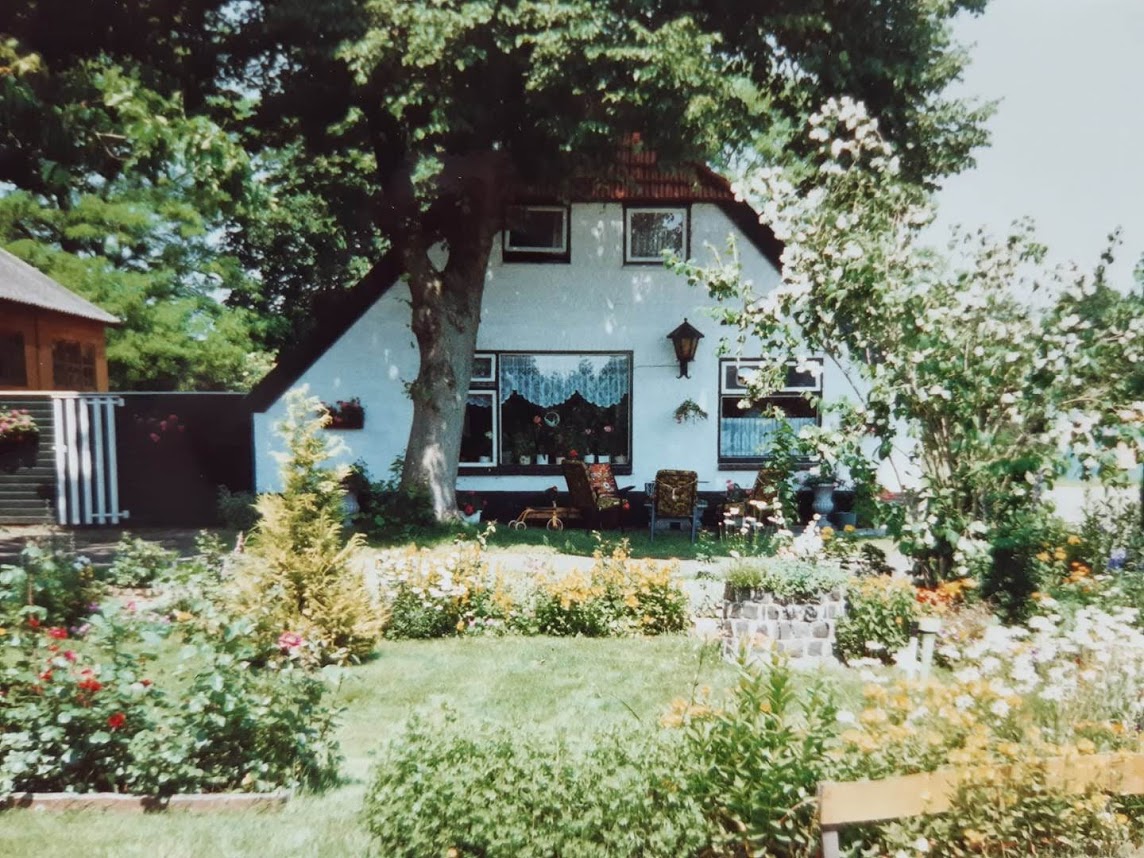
(670, 544)
(571, 686)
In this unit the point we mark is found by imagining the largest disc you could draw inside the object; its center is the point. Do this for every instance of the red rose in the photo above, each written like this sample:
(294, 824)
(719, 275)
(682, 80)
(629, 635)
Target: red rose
(70, 655)
(91, 685)
(469, 509)
(116, 721)
(34, 622)
(57, 633)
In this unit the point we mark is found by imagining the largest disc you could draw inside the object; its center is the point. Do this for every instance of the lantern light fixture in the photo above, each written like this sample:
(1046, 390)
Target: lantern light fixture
(685, 339)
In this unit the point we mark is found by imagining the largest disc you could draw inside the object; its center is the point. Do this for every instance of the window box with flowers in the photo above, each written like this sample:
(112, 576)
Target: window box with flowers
(345, 414)
(19, 439)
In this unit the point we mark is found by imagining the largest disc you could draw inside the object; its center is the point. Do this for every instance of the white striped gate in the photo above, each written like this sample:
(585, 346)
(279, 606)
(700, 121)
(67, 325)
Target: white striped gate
(87, 475)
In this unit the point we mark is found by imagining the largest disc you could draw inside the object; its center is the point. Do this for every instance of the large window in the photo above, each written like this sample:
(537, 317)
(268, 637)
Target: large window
(648, 232)
(73, 365)
(13, 369)
(542, 406)
(746, 431)
(536, 234)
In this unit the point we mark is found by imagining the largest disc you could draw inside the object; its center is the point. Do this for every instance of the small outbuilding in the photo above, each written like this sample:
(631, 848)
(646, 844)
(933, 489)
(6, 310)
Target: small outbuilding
(50, 337)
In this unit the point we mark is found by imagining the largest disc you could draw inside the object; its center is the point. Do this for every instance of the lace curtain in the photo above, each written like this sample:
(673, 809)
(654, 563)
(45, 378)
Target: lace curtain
(548, 380)
(745, 437)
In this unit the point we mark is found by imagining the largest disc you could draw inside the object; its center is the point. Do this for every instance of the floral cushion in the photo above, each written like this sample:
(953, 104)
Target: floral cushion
(603, 480)
(676, 493)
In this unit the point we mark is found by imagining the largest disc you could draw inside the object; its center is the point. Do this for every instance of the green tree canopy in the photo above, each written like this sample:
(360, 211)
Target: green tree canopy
(111, 188)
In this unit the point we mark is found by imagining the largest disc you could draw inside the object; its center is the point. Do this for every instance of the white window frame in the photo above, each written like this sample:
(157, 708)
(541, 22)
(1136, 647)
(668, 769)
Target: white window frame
(491, 377)
(560, 251)
(495, 408)
(737, 386)
(629, 211)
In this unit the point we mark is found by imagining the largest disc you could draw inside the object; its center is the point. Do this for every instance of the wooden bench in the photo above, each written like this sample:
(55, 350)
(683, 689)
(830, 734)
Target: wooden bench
(853, 802)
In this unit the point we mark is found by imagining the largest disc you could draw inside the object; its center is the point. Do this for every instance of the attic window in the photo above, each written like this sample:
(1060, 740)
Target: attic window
(536, 234)
(648, 232)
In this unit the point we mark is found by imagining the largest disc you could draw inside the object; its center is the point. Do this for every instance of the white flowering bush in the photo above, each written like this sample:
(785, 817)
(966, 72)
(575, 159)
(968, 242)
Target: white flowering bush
(431, 594)
(1075, 670)
(993, 367)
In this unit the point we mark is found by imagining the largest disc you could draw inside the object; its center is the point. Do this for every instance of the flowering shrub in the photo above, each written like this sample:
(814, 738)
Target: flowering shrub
(51, 579)
(879, 611)
(89, 715)
(616, 596)
(996, 390)
(16, 424)
(430, 595)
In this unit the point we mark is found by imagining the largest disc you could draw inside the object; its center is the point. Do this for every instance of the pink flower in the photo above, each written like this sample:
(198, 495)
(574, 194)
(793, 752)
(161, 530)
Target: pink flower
(163, 425)
(536, 420)
(609, 429)
(289, 640)
(154, 437)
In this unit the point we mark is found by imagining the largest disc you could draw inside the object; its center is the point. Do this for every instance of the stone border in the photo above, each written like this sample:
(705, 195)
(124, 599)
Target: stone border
(760, 621)
(125, 803)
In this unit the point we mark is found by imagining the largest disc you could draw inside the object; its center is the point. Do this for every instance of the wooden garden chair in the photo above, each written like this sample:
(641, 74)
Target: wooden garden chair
(595, 494)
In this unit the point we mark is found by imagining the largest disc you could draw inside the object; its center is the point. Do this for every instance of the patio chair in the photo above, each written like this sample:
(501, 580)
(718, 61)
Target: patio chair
(595, 494)
(675, 497)
(751, 505)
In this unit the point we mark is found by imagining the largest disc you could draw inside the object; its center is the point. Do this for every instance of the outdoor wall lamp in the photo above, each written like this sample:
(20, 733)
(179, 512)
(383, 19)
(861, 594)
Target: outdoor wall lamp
(686, 340)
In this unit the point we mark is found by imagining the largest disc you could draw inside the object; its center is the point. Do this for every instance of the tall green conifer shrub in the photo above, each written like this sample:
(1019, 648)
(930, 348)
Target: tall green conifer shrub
(298, 575)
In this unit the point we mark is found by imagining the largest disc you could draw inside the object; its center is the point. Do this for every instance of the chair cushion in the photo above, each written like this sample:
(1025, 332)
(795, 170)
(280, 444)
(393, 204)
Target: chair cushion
(603, 480)
(676, 493)
(608, 502)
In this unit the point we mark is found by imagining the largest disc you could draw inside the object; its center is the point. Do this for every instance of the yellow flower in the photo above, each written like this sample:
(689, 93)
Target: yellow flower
(1086, 746)
(3, 631)
(1073, 539)
(1060, 554)
(1043, 557)
(848, 528)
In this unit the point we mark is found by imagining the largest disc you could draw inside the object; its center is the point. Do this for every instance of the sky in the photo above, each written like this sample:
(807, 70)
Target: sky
(1068, 135)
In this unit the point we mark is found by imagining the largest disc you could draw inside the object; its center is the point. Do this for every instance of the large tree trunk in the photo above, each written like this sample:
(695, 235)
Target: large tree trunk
(446, 315)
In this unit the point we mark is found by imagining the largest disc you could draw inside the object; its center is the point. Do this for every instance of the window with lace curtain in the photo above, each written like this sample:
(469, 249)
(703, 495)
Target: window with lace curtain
(538, 407)
(746, 428)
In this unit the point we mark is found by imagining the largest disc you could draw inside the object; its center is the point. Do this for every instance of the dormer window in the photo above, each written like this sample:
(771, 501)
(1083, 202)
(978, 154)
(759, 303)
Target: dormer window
(649, 231)
(536, 234)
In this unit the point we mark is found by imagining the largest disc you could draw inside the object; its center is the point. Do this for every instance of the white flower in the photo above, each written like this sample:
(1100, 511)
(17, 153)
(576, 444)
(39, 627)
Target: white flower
(999, 708)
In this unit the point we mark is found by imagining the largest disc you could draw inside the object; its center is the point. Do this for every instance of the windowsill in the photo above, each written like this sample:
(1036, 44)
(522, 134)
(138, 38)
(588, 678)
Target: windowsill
(510, 257)
(526, 470)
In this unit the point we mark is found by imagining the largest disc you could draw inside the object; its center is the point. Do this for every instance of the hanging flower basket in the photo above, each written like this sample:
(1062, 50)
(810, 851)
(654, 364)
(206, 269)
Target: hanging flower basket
(346, 414)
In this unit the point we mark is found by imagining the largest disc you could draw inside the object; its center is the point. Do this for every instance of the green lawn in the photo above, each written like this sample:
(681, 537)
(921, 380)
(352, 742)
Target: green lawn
(575, 686)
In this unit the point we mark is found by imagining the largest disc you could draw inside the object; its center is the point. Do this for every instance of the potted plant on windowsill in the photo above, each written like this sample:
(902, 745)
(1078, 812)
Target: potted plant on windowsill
(19, 439)
(689, 411)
